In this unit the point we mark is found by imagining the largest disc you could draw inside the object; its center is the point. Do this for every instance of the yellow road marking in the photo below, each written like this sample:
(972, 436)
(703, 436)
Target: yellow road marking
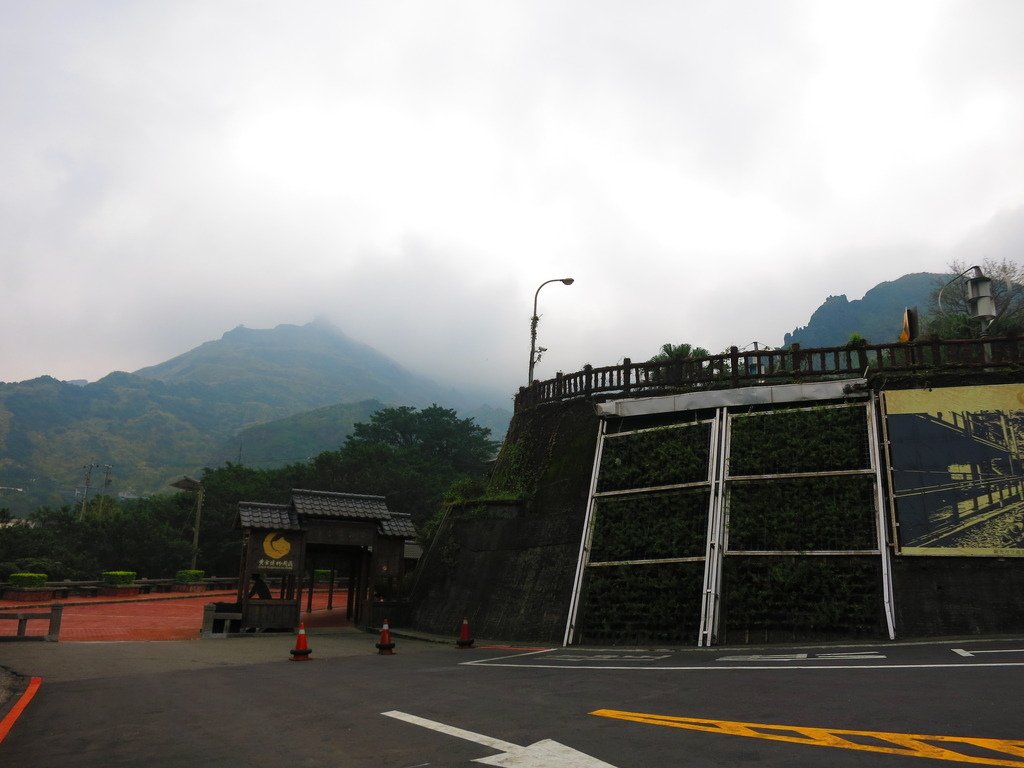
(909, 744)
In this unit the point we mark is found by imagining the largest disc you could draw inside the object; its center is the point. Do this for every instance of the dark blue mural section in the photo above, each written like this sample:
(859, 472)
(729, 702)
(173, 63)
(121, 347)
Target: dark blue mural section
(957, 470)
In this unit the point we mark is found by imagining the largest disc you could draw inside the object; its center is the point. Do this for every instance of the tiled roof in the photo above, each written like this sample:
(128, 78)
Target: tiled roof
(399, 525)
(339, 506)
(275, 516)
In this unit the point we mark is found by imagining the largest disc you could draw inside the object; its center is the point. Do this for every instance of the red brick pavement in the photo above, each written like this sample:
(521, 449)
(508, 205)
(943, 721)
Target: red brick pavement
(147, 617)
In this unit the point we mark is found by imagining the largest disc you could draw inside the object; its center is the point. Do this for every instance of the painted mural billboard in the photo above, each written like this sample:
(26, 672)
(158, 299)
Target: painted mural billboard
(957, 470)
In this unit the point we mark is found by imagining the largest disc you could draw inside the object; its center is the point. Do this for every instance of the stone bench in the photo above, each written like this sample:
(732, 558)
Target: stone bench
(218, 623)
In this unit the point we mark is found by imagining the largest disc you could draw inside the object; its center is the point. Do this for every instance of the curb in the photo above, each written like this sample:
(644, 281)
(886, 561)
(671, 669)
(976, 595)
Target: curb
(12, 715)
(72, 603)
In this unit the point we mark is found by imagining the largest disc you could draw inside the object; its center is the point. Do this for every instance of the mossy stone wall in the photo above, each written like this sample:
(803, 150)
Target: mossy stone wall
(509, 566)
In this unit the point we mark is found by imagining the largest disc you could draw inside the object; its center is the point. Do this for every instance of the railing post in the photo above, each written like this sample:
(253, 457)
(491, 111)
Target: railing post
(862, 357)
(558, 385)
(588, 379)
(626, 370)
(209, 612)
(734, 356)
(53, 633)
(794, 349)
(936, 353)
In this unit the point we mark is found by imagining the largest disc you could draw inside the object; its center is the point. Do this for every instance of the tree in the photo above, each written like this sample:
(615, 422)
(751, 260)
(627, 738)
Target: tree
(411, 457)
(671, 353)
(952, 319)
(436, 433)
(674, 364)
(142, 535)
(220, 541)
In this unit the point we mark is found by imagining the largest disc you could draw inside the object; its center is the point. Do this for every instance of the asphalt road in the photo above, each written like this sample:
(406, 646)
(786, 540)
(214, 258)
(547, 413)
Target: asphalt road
(242, 702)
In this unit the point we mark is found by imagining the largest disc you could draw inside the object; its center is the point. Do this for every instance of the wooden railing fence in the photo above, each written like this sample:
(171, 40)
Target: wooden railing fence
(737, 368)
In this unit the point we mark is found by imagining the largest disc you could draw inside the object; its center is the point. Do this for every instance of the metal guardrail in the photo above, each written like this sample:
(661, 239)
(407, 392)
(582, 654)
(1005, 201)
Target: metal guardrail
(737, 368)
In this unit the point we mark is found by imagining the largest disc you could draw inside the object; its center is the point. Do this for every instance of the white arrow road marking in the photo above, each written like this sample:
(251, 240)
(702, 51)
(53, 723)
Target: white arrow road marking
(766, 657)
(850, 656)
(608, 657)
(975, 652)
(862, 655)
(542, 754)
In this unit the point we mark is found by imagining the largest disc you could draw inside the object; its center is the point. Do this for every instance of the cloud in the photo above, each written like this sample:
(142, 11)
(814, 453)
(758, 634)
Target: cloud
(708, 172)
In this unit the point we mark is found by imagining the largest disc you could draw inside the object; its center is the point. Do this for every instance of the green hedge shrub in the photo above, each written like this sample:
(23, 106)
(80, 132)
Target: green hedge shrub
(188, 575)
(663, 456)
(651, 526)
(28, 580)
(789, 441)
(118, 578)
(786, 598)
(640, 604)
(803, 513)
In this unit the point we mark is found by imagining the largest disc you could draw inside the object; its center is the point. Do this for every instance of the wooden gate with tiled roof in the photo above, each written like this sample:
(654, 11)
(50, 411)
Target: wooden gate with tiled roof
(282, 541)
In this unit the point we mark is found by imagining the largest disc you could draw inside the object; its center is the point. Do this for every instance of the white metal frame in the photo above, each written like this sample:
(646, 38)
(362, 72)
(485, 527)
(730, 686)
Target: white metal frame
(712, 590)
(583, 561)
(588, 532)
(719, 481)
(876, 416)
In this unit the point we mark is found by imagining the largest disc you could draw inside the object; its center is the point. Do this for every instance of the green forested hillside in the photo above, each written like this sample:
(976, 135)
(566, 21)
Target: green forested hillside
(302, 436)
(295, 368)
(270, 397)
(877, 317)
(146, 431)
(193, 411)
(295, 438)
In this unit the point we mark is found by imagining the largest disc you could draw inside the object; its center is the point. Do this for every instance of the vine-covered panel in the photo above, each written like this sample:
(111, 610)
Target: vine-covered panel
(650, 526)
(639, 604)
(803, 513)
(799, 440)
(663, 456)
(785, 598)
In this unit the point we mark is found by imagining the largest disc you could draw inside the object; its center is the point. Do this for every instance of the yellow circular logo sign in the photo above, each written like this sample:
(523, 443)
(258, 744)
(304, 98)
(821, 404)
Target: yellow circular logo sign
(276, 545)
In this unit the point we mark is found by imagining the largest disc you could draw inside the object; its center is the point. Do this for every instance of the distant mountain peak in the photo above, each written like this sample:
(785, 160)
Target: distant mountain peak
(170, 418)
(878, 316)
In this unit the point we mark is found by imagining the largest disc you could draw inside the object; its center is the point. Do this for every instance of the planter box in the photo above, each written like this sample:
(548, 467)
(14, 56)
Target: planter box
(119, 590)
(28, 594)
(192, 586)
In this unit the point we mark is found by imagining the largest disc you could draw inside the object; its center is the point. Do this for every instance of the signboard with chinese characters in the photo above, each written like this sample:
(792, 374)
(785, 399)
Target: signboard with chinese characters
(275, 552)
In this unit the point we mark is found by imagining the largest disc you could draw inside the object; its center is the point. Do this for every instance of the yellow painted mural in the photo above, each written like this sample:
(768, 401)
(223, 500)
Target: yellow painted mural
(957, 470)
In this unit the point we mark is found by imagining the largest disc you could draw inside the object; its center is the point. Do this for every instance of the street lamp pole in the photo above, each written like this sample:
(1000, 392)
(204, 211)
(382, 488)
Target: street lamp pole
(979, 297)
(534, 319)
(186, 483)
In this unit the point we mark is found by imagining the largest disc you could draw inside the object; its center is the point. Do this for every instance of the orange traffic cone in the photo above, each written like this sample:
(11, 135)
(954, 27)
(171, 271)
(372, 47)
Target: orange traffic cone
(385, 646)
(464, 641)
(301, 651)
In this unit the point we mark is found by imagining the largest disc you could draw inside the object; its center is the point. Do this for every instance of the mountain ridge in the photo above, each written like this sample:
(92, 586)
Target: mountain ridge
(878, 316)
(274, 396)
(176, 417)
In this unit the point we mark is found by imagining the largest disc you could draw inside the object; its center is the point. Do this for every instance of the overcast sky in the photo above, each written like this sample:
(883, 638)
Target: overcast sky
(708, 172)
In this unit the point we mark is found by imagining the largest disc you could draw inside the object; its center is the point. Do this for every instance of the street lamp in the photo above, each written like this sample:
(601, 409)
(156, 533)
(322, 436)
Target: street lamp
(534, 320)
(979, 296)
(187, 483)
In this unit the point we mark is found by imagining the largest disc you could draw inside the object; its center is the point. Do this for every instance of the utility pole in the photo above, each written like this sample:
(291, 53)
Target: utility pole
(88, 482)
(186, 483)
(106, 486)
